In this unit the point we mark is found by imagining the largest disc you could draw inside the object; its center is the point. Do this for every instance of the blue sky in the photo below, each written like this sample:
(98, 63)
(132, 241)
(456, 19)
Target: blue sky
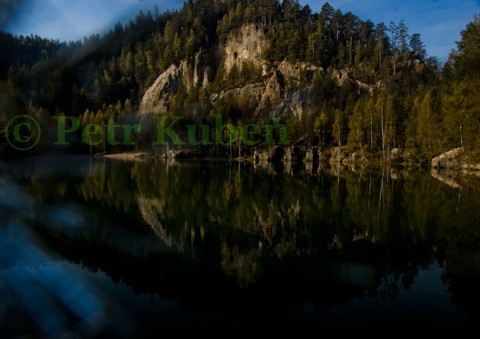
(438, 21)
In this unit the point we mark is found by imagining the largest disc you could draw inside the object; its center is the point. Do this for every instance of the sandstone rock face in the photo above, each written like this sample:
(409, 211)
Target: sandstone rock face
(158, 97)
(311, 154)
(253, 92)
(188, 74)
(292, 72)
(284, 89)
(273, 89)
(339, 154)
(287, 154)
(245, 44)
(450, 159)
(396, 153)
(452, 167)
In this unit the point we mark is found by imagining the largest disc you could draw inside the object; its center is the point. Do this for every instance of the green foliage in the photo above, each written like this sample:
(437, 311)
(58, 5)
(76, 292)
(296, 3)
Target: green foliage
(394, 96)
(467, 59)
(357, 124)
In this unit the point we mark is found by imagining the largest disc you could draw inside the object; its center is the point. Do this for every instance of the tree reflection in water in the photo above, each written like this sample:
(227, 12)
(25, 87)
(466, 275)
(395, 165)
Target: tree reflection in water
(228, 238)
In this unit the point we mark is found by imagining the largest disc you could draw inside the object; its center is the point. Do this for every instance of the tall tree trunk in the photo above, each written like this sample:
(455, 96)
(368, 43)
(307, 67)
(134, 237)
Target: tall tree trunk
(382, 126)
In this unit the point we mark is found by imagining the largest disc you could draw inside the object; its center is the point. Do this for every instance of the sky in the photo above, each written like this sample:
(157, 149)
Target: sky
(439, 22)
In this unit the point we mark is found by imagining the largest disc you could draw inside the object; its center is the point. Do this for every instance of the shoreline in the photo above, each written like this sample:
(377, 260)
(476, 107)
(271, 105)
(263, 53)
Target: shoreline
(126, 156)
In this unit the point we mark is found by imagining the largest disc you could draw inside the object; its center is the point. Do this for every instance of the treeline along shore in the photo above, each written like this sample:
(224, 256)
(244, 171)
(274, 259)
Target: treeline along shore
(334, 80)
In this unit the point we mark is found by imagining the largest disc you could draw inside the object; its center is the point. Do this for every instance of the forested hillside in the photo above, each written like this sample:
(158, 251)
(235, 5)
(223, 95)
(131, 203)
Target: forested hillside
(371, 86)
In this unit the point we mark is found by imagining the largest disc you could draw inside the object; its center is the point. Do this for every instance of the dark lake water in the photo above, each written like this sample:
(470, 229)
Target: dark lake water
(93, 247)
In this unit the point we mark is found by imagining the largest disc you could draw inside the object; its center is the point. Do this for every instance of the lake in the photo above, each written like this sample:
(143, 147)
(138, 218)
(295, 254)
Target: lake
(96, 247)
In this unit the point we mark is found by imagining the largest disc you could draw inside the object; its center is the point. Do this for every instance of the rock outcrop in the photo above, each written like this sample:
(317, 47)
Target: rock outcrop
(338, 155)
(157, 98)
(451, 168)
(450, 159)
(188, 74)
(277, 89)
(455, 159)
(247, 44)
(284, 88)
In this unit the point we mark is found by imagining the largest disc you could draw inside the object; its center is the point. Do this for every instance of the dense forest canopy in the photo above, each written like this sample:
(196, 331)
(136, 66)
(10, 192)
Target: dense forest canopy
(409, 101)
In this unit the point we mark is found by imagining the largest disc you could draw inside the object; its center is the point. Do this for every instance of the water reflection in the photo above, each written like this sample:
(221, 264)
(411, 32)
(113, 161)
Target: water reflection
(40, 293)
(237, 241)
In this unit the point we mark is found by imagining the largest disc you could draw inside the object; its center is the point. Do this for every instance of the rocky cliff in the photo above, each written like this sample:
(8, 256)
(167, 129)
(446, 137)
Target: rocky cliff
(186, 75)
(236, 71)
(283, 88)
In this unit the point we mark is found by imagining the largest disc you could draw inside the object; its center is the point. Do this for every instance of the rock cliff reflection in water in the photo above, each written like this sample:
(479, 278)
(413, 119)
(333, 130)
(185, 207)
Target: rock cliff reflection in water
(104, 247)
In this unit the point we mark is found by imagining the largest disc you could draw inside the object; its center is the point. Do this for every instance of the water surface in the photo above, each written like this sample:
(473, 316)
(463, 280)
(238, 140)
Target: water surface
(101, 247)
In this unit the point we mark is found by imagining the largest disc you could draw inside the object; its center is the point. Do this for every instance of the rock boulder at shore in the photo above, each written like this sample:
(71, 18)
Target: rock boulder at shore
(450, 159)
(456, 159)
